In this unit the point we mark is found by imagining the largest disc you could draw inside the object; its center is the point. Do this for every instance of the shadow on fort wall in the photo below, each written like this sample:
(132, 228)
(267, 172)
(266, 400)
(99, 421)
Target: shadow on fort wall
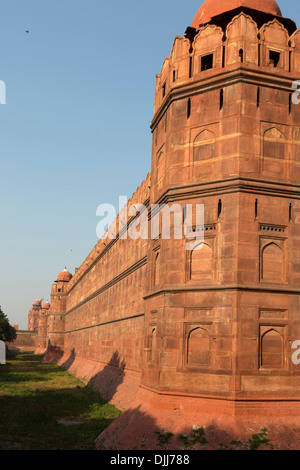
(106, 381)
(110, 378)
(68, 363)
(52, 354)
(137, 429)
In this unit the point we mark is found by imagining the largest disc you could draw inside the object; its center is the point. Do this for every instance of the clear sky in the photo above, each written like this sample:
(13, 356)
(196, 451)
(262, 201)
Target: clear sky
(74, 132)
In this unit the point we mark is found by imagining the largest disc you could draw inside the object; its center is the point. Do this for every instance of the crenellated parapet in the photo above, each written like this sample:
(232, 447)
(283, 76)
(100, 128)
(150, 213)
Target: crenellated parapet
(241, 41)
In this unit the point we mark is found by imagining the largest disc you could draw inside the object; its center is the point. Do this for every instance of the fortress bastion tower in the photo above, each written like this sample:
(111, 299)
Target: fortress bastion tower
(57, 310)
(42, 340)
(33, 315)
(221, 320)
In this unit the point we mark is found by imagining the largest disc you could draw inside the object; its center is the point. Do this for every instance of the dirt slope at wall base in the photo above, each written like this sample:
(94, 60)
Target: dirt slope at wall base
(117, 386)
(154, 422)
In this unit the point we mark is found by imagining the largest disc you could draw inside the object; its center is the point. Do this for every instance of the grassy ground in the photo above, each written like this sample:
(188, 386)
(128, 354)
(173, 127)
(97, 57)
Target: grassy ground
(35, 396)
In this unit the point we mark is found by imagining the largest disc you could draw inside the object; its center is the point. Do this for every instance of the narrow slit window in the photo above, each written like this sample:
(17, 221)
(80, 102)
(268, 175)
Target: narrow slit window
(219, 208)
(274, 58)
(207, 62)
(258, 97)
(221, 98)
(164, 90)
(174, 75)
(290, 212)
(256, 208)
(241, 55)
(223, 57)
(189, 108)
(290, 103)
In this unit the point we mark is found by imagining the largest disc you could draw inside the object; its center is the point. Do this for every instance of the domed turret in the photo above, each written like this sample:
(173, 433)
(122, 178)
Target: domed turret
(211, 8)
(64, 276)
(46, 305)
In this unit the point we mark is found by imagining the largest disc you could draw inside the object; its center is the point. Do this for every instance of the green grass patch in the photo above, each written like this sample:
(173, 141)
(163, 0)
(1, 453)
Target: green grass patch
(35, 396)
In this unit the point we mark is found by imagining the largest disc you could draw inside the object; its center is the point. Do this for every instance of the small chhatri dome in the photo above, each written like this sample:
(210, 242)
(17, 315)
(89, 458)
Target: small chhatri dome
(64, 276)
(36, 302)
(46, 305)
(211, 8)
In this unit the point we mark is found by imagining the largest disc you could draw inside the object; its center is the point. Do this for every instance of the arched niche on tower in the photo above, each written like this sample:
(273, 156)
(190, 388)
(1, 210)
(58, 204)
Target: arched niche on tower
(271, 347)
(272, 262)
(207, 49)
(201, 263)
(275, 148)
(274, 49)
(156, 269)
(204, 146)
(204, 151)
(160, 167)
(198, 346)
(153, 343)
(295, 45)
(274, 145)
(241, 41)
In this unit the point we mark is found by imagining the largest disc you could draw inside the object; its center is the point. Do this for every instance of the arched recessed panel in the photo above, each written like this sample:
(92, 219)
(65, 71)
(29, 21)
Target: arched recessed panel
(271, 349)
(198, 347)
(181, 47)
(272, 263)
(204, 146)
(160, 168)
(201, 263)
(274, 33)
(153, 344)
(156, 270)
(274, 145)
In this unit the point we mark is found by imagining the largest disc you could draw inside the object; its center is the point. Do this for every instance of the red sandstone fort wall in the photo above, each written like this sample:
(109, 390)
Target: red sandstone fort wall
(25, 341)
(104, 317)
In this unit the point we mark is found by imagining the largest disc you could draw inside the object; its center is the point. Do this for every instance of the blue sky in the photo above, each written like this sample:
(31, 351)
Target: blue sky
(75, 129)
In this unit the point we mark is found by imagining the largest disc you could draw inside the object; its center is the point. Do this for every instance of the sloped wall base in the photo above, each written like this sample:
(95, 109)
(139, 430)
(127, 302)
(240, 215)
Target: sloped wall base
(147, 416)
(150, 416)
(116, 385)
